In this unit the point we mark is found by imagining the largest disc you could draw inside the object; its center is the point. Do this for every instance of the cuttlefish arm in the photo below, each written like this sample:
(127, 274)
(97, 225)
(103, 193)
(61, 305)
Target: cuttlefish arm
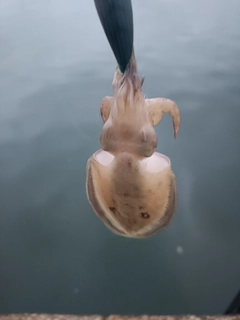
(156, 107)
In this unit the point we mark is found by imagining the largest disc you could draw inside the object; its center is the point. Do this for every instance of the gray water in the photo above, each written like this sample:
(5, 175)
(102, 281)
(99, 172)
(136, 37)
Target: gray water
(56, 256)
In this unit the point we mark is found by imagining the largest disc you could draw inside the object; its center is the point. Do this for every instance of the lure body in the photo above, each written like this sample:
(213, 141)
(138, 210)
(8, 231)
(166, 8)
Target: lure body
(117, 20)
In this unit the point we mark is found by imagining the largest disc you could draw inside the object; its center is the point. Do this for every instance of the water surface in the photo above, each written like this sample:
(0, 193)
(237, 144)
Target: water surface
(56, 256)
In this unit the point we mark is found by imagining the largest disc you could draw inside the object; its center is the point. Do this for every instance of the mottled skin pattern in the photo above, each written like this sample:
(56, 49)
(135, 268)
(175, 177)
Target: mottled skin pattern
(129, 199)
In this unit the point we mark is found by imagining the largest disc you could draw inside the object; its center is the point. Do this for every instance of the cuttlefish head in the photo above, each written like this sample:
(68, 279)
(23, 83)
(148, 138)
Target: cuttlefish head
(131, 187)
(127, 127)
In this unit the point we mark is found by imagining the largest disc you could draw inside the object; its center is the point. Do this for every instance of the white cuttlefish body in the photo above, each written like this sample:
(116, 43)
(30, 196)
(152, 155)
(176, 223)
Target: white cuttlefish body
(131, 187)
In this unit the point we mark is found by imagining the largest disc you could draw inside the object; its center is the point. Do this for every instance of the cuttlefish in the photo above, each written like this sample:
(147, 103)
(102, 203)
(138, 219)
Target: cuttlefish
(130, 186)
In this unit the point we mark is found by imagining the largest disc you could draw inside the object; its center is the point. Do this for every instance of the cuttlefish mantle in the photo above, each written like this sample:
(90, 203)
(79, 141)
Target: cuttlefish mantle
(131, 187)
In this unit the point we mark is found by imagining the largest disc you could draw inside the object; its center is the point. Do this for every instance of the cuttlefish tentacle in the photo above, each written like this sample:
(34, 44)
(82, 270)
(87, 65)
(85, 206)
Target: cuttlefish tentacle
(158, 107)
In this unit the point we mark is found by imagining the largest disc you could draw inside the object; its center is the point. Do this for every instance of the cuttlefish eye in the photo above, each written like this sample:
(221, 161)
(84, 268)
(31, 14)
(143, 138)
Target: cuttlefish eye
(135, 197)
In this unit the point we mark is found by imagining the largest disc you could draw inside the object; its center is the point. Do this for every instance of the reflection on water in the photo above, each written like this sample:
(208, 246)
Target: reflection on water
(55, 66)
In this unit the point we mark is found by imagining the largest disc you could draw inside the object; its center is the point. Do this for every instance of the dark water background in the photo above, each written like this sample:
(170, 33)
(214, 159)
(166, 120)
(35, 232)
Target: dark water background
(56, 256)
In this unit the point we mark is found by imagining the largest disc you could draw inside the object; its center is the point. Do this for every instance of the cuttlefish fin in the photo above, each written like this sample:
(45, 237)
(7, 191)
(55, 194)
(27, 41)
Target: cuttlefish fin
(158, 106)
(105, 108)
